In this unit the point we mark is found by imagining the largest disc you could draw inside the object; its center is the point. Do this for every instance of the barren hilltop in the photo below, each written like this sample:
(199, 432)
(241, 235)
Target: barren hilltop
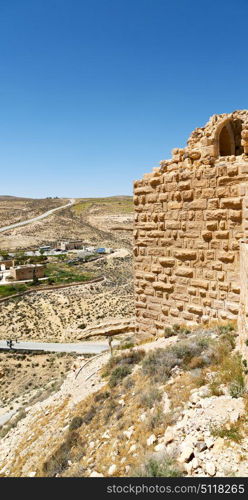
(103, 221)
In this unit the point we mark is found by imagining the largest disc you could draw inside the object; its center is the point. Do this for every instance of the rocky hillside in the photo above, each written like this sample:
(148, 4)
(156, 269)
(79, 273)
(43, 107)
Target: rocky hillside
(175, 406)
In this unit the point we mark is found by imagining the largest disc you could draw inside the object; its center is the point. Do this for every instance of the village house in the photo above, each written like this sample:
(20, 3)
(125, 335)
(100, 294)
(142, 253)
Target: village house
(6, 264)
(70, 244)
(27, 272)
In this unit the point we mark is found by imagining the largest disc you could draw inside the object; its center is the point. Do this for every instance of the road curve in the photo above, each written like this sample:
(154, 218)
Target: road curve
(81, 347)
(39, 217)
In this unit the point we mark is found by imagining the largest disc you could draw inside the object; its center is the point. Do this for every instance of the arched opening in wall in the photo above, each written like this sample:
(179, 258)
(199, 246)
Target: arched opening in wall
(237, 125)
(229, 138)
(226, 141)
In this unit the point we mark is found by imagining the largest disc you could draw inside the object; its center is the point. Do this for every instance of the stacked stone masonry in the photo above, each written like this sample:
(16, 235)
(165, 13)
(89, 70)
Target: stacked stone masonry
(190, 216)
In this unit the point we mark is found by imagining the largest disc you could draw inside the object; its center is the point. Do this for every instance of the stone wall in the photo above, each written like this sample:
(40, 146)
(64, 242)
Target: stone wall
(190, 215)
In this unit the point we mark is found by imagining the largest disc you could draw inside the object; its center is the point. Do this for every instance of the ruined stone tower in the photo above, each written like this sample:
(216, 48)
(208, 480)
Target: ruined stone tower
(191, 215)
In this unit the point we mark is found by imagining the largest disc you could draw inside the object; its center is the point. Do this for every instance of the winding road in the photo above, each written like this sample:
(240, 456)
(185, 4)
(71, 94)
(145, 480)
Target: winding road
(39, 217)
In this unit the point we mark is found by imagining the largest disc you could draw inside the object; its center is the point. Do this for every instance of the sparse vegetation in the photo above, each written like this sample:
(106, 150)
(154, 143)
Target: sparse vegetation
(159, 363)
(228, 369)
(118, 374)
(131, 357)
(76, 423)
(162, 466)
(58, 462)
(62, 273)
(7, 290)
(228, 431)
(150, 396)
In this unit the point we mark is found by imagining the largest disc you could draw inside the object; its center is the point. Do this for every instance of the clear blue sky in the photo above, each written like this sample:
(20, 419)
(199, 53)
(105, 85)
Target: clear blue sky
(94, 93)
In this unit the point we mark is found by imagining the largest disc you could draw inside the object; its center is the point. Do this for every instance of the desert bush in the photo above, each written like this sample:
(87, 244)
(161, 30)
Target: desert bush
(168, 332)
(149, 397)
(237, 387)
(156, 420)
(101, 396)
(158, 364)
(229, 431)
(118, 374)
(89, 415)
(76, 423)
(223, 329)
(58, 461)
(157, 467)
(126, 345)
(111, 407)
(228, 334)
(230, 373)
(128, 383)
(128, 358)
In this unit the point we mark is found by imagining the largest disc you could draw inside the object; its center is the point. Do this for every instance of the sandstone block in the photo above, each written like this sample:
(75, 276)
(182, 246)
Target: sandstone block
(212, 226)
(167, 261)
(142, 190)
(213, 204)
(215, 214)
(226, 257)
(222, 235)
(184, 271)
(207, 235)
(234, 203)
(200, 283)
(195, 310)
(165, 287)
(172, 225)
(185, 254)
(198, 205)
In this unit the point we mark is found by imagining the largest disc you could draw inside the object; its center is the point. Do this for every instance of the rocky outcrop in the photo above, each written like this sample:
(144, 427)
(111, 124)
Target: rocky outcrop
(108, 328)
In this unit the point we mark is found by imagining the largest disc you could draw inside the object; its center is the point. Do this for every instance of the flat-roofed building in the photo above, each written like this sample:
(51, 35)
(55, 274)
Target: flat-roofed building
(27, 272)
(70, 244)
(6, 264)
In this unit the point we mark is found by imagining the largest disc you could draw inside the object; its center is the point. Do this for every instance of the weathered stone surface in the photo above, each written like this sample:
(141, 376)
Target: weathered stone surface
(192, 213)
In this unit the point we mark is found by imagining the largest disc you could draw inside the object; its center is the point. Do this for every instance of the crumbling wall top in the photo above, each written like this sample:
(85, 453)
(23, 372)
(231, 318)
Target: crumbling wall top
(223, 135)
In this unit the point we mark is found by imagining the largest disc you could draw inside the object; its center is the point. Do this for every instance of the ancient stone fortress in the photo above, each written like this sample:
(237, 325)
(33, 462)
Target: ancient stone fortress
(191, 219)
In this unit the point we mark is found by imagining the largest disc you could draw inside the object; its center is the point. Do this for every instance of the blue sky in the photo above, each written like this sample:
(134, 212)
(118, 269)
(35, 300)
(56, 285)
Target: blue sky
(94, 93)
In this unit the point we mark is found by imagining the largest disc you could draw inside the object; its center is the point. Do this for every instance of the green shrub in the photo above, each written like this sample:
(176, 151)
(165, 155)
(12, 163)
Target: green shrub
(237, 387)
(101, 396)
(118, 374)
(127, 345)
(128, 358)
(223, 329)
(231, 432)
(76, 423)
(168, 332)
(158, 467)
(159, 363)
(89, 415)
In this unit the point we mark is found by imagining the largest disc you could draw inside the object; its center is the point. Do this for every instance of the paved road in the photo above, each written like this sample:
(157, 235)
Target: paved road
(81, 348)
(6, 416)
(39, 217)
